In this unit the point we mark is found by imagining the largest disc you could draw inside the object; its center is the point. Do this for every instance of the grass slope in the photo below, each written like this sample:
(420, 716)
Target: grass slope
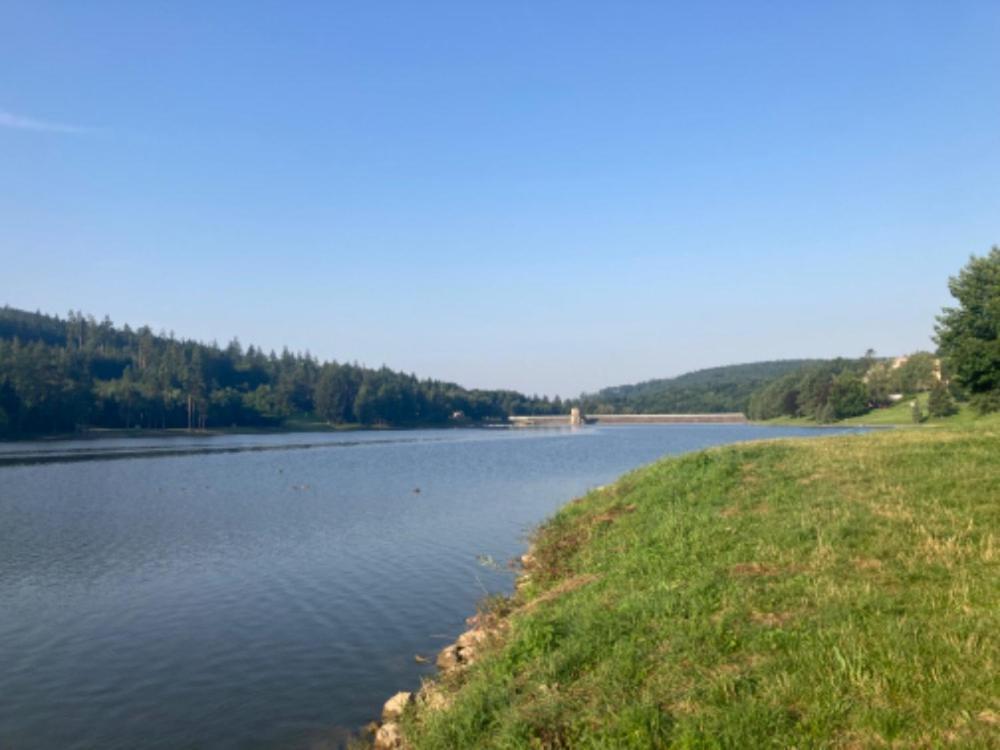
(836, 592)
(899, 415)
(902, 414)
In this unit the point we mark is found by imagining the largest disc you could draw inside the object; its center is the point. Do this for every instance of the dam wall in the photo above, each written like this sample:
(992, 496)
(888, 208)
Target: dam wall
(577, 419)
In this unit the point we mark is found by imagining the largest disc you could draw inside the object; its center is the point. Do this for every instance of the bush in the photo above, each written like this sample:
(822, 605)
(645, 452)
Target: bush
(986, 403)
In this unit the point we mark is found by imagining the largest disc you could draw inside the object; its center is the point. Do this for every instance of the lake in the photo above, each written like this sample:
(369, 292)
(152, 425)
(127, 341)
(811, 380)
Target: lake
(267, 591)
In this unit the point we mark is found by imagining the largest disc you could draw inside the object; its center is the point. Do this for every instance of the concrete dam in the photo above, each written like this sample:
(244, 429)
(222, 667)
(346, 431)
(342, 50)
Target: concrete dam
(575, 417)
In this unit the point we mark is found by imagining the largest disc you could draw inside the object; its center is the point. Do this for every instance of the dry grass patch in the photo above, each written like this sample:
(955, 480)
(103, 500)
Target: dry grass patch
(609, 516)
(685, 707)
(867, 563)
(570, 584)
(771, 619)
(988, 716)
(757, 569)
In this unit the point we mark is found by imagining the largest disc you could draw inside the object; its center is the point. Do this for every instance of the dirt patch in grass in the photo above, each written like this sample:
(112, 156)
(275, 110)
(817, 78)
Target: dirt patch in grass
(989, 717)
(811, 479)
(609, 516)
(771, 619)
(554, 551)
(556, 547)
(749, 475)
(570, 584)
(867, 563)
(756, 569)
(685, 707)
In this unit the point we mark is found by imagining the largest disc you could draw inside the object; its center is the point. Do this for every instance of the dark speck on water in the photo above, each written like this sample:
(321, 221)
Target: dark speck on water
(134, 613)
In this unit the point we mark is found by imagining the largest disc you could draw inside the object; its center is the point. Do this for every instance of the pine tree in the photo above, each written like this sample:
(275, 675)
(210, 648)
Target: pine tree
(969, 335)
(940, 403)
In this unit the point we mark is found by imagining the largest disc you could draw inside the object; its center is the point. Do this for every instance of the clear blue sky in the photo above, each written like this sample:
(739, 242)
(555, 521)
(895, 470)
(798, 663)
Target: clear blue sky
(546, 196)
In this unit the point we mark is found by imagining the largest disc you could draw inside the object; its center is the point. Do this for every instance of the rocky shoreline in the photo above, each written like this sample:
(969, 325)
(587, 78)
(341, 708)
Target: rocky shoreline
(485, 629)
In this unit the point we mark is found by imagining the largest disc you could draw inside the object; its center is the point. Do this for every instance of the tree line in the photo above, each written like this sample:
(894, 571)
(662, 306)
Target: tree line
(965, 367)
(843, 388)
(715, 389)
(60, 375)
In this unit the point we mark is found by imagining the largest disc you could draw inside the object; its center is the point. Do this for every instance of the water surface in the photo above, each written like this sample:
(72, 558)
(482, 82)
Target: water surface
(266, 591)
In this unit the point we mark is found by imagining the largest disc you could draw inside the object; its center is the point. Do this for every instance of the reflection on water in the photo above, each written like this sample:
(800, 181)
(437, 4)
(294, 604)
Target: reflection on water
(265, 591)
(138, 447)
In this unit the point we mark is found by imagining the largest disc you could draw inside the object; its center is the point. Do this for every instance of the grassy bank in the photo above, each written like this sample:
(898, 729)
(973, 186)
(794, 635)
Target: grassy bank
(835, 592)
(897, 415)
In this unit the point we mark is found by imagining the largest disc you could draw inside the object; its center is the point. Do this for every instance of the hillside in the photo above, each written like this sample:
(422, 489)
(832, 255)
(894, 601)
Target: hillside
(835, 592)
(716, 389)
(66, 375)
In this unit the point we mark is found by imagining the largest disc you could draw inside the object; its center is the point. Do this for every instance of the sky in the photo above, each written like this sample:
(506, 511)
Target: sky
(552, 197)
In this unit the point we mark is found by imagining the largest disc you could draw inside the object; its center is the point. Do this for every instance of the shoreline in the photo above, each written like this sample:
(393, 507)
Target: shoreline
(575, 571)
(486, 629)
(120, 433)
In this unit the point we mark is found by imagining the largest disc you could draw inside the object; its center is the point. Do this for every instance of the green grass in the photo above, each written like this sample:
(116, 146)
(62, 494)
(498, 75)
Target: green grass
(899, 415)
(839, 592)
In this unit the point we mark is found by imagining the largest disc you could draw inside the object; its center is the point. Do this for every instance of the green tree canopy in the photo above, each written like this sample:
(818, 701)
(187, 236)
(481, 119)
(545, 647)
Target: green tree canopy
(60, 375)
(848, 396)
(969, 334)
(918, 373)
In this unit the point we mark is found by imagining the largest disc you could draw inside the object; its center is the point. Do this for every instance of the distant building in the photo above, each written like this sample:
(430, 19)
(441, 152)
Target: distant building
(900, 361)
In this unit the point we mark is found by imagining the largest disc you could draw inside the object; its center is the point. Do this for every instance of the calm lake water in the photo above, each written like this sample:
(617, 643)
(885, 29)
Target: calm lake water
(266, 591)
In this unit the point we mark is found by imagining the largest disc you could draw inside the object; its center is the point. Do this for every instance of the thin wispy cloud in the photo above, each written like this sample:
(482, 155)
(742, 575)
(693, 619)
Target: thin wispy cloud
(19, 122)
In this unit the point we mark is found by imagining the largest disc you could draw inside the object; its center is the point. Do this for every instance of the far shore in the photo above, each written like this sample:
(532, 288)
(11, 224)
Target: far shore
(95, 433)
(292, 426)
(303, 427)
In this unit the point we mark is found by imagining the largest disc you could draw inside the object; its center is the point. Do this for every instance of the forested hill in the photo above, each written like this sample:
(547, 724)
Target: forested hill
(61, 375)
(716, 389)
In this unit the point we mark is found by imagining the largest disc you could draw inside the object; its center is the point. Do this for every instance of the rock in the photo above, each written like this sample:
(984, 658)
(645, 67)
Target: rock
(467, 655)
(432, 698)
(448, 659)
(395, 706)
(474, 637)
(388, 737)
(527, 560)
